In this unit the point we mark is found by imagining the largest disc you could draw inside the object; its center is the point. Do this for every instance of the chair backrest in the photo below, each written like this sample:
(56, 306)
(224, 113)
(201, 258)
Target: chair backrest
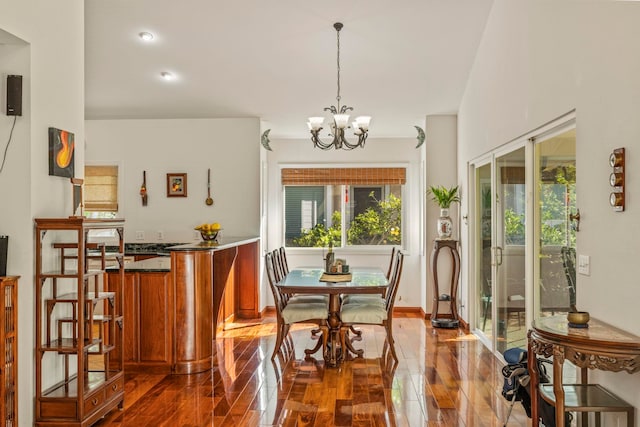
(394, 282)
(277, 264)
(273, 279)
(392, 263)
(283, 260)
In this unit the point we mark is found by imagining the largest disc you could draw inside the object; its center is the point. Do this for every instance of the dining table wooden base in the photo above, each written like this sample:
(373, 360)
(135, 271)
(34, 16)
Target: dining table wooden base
(322, 341)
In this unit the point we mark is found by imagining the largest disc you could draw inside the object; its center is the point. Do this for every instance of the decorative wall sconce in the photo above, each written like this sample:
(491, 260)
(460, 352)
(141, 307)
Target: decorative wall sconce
(616, 179)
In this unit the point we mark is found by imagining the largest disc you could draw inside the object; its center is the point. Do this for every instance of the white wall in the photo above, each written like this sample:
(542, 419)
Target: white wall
(538, 60)
(50, 57)
(377, 152)
(440, 154)
(230, 147)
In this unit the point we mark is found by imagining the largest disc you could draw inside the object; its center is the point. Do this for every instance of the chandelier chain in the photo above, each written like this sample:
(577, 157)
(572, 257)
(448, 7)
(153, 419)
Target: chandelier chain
(338, 96)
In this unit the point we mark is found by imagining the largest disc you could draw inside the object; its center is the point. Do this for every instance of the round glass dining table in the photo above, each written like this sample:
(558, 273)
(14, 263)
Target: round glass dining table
(313, 280)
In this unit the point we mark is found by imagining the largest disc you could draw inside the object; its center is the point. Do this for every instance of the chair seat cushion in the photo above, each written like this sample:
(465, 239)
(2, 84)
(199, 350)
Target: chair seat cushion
(363, 313)
(294, 313)
(363, 299)
(307, 298)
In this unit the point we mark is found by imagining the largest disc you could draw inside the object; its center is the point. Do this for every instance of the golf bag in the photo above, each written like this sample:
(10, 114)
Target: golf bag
(516, 386)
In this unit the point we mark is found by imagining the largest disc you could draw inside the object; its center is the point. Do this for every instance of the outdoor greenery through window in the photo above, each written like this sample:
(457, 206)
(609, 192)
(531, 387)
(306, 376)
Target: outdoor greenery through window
(557, 200)
(345, 214)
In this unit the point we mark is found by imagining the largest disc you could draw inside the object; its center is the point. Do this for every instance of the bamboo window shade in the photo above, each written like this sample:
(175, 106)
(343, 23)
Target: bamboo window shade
(101, 188)
(512, 175)
(344, 176)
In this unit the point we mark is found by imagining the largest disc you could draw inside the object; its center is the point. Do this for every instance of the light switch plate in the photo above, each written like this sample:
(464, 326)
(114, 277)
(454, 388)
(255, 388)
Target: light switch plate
(139, 235)
(584, 265)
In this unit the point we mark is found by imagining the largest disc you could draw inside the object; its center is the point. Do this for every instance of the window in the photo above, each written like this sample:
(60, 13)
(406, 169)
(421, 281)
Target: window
(101, 191)
(344, 206)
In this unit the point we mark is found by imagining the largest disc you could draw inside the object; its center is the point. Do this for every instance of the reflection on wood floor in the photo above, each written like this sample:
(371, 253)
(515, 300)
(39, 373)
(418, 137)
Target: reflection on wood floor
(443, 378)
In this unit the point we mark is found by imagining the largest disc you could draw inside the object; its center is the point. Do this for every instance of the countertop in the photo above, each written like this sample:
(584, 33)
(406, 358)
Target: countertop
(227, 242)
(163, 263)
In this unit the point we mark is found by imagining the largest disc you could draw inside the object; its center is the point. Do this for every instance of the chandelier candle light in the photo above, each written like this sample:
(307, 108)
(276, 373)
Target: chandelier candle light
(340, 119)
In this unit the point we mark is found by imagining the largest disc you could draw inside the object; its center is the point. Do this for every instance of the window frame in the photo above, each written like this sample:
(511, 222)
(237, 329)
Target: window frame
(344, 248)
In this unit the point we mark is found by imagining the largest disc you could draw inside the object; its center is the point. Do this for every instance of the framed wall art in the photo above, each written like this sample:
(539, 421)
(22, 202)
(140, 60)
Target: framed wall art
(176, 185)
(61, 153)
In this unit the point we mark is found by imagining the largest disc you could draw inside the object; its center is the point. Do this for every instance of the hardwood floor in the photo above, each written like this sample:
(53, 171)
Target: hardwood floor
(443, 378)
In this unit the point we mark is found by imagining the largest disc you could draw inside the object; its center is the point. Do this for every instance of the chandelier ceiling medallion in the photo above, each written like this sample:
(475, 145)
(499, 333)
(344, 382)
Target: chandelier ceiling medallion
(340, 119)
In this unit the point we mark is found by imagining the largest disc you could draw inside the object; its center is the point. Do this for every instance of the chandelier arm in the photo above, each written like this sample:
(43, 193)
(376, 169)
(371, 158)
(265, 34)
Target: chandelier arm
(318, 143)
(361, 140)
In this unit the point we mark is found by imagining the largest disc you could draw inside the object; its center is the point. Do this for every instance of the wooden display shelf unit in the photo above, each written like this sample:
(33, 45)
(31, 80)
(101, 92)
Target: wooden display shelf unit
(9, 351)
(79, 325)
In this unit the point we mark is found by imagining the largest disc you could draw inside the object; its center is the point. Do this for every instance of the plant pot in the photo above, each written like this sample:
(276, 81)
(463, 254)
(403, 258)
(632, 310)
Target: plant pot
(445, 226)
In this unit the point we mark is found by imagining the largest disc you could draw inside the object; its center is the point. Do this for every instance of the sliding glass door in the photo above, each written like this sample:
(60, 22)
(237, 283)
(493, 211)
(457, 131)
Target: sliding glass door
(484, 265)
(524, 233)
(509, 249)
(555, 176)
(500, 189)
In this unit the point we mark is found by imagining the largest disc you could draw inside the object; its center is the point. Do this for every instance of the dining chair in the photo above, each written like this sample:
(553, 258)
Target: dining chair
(281, 269)
(288, 312)
(374, 298)
(373, 313)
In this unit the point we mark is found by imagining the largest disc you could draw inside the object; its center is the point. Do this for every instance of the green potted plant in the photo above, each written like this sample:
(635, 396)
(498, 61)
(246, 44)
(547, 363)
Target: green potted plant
(444, 197)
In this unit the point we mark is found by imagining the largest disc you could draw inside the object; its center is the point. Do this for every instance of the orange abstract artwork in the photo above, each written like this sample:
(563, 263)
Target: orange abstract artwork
(61, 153)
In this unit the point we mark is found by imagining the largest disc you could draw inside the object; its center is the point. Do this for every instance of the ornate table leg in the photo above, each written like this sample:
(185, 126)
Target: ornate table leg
(334, 356)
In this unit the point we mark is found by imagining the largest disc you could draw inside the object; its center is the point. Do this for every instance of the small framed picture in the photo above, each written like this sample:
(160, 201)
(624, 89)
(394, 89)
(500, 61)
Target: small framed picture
(176, 185)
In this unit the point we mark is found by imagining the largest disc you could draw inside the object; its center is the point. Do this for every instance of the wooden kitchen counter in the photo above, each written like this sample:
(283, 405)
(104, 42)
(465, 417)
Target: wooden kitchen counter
(172, 305)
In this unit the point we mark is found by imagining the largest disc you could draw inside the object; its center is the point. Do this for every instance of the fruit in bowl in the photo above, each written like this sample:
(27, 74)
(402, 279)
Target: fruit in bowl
(209, 232)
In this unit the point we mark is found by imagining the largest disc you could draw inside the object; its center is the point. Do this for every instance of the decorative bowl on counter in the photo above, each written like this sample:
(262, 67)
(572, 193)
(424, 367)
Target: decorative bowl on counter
(209, 232)
(210, 236)
(578, 318)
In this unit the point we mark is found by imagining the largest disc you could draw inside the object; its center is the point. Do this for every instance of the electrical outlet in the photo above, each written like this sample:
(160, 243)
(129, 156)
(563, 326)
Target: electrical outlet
(139, 235)
(160, 235)
(196, 235)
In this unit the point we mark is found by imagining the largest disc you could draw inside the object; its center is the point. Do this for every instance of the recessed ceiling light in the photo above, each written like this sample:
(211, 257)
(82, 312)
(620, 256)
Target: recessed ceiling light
(146, 36)
(166, 75)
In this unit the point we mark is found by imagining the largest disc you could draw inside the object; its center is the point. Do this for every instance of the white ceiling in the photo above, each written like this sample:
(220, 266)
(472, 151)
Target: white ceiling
(276, 59)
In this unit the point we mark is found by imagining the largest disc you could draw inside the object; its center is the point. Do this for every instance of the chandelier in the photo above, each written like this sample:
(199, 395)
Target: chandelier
(340, 119)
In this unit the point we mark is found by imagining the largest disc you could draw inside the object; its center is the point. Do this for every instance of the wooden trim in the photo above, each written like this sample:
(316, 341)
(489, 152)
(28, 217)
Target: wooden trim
(268, 311)
(409, 310)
